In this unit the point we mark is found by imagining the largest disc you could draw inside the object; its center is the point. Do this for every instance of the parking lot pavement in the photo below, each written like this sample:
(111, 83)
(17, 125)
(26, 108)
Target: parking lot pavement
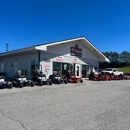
(91, 105)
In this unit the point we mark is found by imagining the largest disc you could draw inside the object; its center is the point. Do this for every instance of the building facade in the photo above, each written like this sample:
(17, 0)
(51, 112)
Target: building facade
(77, 55)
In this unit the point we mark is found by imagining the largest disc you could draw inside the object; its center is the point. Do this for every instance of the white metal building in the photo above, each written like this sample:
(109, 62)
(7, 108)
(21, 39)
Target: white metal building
(57, 56)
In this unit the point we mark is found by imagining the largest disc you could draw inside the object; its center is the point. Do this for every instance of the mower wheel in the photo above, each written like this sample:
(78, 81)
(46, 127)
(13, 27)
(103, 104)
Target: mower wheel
(50, 83)
(81, 81)
(1, 87)
(65, 81)
(21, 85)
(32, 84)
(47, 83)
(58, 82)
(40, 83)
(10, 86)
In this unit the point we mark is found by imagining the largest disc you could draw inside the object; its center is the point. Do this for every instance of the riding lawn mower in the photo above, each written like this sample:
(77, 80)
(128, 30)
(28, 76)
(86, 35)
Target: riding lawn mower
(39, 78)
(20, 79)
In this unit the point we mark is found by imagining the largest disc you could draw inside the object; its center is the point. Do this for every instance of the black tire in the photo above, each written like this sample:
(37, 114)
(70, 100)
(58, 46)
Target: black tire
(65, 81)
(40, 83)
(47, 83)
(58, 81)
(10, 86)
(32, 84)
(81, 81)
(13, 84)
(44, 83)
(1, 87)
(21, 85)
(50, 83)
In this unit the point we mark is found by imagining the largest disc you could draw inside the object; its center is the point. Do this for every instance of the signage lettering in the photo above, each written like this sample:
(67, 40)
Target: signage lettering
(76, 51)
(60, 58)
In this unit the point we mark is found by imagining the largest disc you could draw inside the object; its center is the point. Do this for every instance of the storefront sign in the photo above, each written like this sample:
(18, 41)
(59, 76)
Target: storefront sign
(60, 58)
(76, 51)
(46, 67)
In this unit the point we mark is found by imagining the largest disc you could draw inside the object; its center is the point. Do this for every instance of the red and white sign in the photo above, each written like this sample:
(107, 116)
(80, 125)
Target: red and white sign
(76, 51)
(46, 67)
(60, 58)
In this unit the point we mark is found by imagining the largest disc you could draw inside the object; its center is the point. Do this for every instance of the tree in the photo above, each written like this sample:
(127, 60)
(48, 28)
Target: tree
(125, 56)
(116, 60)
(112, 56)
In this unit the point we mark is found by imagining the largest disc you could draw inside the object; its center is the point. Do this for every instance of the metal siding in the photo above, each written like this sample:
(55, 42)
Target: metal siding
(23, 62)
(64, 49)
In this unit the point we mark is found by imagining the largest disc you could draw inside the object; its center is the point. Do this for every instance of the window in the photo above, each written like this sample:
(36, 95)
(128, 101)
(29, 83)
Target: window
(7, 64)
(84, 71)
(32, 67)
(61, 68)
(114, 70)
(56, 66)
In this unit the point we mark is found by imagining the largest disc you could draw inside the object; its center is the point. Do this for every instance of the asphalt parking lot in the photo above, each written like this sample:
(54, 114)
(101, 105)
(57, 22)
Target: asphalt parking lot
(91, 105)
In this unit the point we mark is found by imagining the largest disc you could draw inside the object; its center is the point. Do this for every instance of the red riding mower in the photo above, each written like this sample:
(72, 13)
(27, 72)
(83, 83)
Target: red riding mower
(100, 76)
(105, 76)
(95, 77)
(71, 78)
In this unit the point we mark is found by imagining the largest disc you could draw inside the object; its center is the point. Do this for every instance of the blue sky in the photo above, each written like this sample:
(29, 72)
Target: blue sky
(105, 23)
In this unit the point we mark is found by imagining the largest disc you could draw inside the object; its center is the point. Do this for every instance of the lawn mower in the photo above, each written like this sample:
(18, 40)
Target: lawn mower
(96, 77)
(106, 76)
(56, 79)
(71, 78)
(3, 83)
(20, 79)
(101, 76)
(39, 78)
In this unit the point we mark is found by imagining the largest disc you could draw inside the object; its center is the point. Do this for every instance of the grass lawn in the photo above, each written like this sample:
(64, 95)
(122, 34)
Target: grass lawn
(124, 69)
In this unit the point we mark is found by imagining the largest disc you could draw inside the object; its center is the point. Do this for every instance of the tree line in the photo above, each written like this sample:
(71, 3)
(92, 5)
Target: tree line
(116, 60)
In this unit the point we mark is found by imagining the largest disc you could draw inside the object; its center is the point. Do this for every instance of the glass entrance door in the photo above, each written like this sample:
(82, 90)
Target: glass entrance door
(78, 70)
(65, 68)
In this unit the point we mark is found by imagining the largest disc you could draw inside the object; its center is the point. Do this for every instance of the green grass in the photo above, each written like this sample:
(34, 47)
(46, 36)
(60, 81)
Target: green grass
(124, 69)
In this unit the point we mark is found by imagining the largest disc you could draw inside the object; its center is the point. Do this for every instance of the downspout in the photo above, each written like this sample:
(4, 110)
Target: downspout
(39, 59)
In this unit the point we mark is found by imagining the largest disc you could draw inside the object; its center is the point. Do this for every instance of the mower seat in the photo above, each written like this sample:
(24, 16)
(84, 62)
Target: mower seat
(1, 77)
(56, 74)
(40, 74)
(21, 74)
